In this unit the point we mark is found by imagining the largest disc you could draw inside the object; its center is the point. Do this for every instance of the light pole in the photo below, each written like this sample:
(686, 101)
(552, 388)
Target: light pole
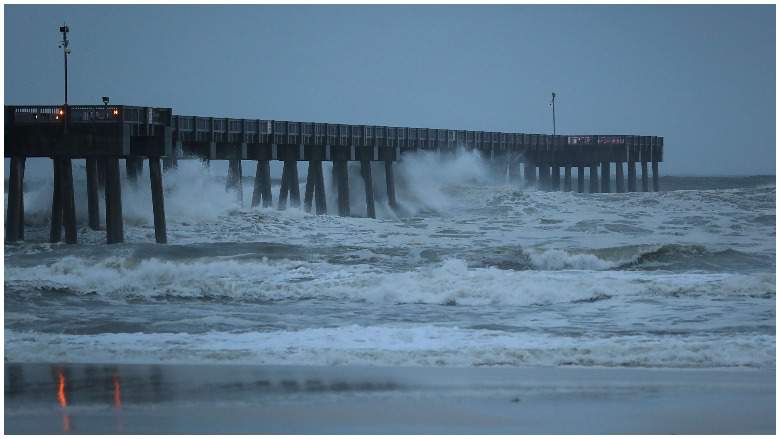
(64, 44)
(553, 111)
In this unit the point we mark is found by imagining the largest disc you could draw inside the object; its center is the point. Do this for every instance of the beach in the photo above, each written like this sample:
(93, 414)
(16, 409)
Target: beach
(188, 399)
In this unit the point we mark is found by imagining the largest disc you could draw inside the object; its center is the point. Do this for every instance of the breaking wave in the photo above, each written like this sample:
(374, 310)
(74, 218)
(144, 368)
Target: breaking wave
(394, 346)
(451, 282)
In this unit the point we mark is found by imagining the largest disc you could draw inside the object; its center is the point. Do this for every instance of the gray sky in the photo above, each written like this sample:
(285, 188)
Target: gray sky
(701, 76)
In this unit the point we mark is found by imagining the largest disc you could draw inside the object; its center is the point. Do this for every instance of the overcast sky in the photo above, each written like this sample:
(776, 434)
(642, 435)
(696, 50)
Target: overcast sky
(701, 76)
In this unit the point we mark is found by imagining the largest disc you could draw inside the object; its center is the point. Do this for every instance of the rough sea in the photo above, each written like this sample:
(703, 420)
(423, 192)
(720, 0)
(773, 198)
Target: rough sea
(474, 270)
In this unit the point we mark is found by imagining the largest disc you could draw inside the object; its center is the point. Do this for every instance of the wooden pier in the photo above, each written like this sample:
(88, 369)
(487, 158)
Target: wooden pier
(102, 135)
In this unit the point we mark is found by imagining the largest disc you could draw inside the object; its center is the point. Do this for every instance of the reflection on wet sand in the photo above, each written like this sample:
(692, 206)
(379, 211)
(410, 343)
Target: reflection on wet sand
(93, 387)
(62, 399)
(118, 401)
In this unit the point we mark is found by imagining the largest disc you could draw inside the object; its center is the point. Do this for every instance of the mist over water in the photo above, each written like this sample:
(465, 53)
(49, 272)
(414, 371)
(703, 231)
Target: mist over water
(472, 269)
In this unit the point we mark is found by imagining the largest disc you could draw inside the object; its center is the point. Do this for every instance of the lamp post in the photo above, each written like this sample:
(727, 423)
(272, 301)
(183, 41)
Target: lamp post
(553, 111)
(64, 44)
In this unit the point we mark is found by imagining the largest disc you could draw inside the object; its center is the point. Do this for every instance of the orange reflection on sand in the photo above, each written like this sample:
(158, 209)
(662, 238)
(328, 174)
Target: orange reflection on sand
(62, 399)
(117, 393)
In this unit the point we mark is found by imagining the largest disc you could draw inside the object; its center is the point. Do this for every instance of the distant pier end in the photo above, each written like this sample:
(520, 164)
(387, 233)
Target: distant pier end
(102, 135)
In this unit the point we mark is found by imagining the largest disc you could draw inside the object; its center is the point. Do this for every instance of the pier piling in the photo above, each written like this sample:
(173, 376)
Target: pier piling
(14, 223)
(262, 189)
(234, 178)
(319, 189)
(555, 181)
(529, 173)
(655, 176)
(284, 189)
(605, 177)
(342, 183)
(114, 222)
(631, 175)
(67, 201)
(544, 176)
(390, 182)
(580, 179)
(292, 183)
(365, 170)
(567, 178)
(593, 177)
(620, 180)
(158, 203)
(308, 196)
(645, 186)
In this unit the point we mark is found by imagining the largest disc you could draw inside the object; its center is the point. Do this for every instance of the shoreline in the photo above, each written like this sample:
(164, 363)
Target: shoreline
(166, 398)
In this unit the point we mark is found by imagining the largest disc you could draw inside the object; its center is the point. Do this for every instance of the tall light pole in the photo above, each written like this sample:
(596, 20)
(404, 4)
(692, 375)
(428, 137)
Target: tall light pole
(64, 44)
(553, 111)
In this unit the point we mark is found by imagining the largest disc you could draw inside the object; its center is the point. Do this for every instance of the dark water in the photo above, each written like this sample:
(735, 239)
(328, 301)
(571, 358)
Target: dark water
(474, 271)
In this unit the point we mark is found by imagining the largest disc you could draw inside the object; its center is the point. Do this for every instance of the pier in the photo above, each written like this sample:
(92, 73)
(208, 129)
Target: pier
(104, 135)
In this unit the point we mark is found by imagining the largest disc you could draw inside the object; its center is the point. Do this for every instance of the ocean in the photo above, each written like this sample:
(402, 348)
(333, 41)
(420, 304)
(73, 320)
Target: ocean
(473, 270)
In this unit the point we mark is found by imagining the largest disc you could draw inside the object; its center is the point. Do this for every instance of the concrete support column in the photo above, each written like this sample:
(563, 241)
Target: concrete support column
(172, 161)
(14, 222)
(593, 176)
(580, 179)
(342, 183)
(114, 226)
(544, 175)
(294, 186)
(567, 178)
(530, 173)
(234, 178)
(631, 176)
(67, 200)
(319, 189)
(605, 177)
(390, 182)
(284, 189)
(262, 189)
(368, 183)
(158, 203)
(289, 185)
(308, 195)
(93, 205)
(645, 186)
(555, 180)
(620, 180)
(656, 186)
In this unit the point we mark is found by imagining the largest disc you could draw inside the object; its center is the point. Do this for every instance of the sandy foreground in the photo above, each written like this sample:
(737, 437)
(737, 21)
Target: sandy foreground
(102, 398)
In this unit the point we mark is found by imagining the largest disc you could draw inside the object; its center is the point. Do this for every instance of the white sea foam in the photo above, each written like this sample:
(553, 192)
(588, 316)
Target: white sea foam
(450, 282)
(567, 297)
(560, 260)
(424, 345)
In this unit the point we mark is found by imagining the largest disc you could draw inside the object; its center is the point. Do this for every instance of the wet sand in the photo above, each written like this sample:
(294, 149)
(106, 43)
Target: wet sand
(102, 398)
